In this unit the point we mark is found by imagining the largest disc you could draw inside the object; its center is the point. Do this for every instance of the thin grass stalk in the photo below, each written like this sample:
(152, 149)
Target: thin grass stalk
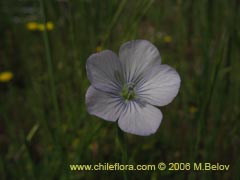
(49, 63)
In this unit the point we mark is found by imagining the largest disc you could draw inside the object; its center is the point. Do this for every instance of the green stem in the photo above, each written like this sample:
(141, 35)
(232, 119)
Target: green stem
(138, 18)
(49, 64)
(114, 20)
(121, 142)
(57, 134)
(209, 95)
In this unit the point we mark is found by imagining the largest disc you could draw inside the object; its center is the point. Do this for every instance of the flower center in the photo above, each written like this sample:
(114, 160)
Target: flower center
(128, 92)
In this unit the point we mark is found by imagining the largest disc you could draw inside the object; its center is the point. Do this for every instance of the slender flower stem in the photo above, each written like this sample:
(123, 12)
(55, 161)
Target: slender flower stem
(57, 134)
(123, 148)
(49, 64)
(204, 112)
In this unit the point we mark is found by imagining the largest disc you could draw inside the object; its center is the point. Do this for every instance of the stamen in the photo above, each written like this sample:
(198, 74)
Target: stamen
(128, 92)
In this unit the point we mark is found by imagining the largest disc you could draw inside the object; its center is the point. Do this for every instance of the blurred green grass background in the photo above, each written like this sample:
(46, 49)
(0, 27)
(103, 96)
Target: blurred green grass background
(44, 125)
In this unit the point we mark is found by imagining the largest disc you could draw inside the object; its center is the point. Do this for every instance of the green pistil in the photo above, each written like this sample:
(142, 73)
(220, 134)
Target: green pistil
(128, 92)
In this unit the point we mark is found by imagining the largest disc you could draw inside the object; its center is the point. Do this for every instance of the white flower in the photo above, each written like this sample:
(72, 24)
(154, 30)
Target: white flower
(127, 88)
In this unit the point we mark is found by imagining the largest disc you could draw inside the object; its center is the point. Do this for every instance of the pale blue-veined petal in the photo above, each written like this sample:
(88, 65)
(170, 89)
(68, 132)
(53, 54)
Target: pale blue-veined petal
(140, 119)
(104, 71)
(136, 57)
(159, 86)
(106, 105)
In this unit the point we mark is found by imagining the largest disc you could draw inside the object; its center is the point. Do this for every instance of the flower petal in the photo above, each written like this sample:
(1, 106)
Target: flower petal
(140, 119)
(159, 85)
(136, 57)
(103, 71)
(105, 105)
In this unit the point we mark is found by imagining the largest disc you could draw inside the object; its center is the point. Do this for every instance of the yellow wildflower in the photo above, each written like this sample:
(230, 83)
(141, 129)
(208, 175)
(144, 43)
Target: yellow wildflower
(49, 26)
(167, 39)
(98, 48)
(32, 26)
(6, 76)
(193, 109)
(41, 27)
